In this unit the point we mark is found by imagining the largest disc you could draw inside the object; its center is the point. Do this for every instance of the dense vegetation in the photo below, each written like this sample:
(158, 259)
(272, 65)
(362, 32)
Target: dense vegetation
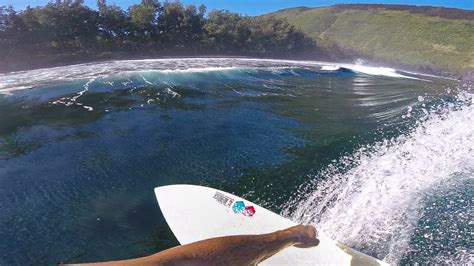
(420, 38)
(65, 29)
(427, 39)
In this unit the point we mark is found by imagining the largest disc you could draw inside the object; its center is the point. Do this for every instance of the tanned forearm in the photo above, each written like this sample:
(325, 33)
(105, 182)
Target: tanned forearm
(230, 250)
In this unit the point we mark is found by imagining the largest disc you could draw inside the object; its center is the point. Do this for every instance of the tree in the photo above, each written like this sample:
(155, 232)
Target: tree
(3, 18)
(68, 27)
(13, 29)
(82, 23)
(113, 26)
(276, 36)
(143, 19)
(227, 31)
(181, 28)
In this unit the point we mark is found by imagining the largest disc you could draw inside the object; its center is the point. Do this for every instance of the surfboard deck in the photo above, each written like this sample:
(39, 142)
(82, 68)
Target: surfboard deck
(196, 213)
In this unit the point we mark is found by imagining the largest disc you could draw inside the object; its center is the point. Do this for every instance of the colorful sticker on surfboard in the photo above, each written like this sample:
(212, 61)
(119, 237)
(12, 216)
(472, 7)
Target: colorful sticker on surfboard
(237, 207)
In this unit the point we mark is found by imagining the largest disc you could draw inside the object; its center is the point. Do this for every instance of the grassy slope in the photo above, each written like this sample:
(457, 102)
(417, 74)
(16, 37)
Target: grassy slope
(396, 37)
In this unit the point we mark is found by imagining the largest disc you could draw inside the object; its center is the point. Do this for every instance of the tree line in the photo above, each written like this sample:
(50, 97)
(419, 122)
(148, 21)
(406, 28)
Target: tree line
(67, 27)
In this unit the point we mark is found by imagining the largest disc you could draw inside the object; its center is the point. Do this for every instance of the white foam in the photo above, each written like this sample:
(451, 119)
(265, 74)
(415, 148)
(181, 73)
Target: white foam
(330, 68)
(21, 80)
(377, 71)
(378, 201)
(146, 81)
(172, 92)
(198, 69)
(69, 101)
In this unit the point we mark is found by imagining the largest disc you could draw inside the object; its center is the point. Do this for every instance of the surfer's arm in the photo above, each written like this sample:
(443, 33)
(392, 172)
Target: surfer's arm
(230, 250)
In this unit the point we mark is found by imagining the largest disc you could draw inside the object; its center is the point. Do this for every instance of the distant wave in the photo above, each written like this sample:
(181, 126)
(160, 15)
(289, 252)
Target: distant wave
(21, 80)
(377, 71)
(330, 68)
(369, 70)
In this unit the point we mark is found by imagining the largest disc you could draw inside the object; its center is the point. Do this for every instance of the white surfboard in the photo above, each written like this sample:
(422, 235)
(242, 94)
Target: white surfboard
(196, 213)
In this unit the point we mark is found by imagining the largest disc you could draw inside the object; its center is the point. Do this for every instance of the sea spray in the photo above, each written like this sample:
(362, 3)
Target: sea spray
(373, 199)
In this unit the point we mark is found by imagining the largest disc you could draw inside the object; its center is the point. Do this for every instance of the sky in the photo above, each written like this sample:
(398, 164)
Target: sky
(258, 7)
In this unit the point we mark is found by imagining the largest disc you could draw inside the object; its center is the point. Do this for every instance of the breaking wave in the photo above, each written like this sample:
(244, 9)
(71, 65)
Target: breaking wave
(22, 80)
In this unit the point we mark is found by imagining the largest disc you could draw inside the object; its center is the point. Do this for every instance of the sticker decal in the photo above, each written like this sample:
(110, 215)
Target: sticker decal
(249, 211)
(237, 207)
(223, 199)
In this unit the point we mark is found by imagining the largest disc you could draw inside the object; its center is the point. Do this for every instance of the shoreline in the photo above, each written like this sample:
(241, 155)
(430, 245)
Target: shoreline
(76, 59)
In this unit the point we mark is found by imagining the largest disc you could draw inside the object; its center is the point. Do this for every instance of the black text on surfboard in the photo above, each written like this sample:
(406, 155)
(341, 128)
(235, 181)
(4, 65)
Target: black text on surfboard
(223, 199)
(238, 207)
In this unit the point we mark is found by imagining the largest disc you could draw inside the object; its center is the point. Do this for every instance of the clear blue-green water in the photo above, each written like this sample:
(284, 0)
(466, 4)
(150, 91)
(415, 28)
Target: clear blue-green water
(378, 159)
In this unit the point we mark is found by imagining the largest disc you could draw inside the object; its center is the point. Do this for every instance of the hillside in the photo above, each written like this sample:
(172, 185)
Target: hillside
(430, 39)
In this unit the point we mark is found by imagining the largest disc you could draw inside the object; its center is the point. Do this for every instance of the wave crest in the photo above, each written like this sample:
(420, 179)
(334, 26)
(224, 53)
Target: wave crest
(21, 80)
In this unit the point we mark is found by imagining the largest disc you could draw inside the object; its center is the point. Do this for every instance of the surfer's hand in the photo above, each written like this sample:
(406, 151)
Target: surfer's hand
(306, 236)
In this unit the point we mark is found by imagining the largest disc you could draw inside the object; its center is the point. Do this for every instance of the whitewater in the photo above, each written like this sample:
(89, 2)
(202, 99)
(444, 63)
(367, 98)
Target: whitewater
(375, 197)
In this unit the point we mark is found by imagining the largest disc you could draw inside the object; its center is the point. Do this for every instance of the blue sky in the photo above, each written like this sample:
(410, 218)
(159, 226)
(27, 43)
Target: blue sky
(257, 7)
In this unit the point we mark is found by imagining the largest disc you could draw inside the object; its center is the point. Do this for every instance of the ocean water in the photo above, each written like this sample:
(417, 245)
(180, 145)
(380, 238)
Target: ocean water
(379, 159)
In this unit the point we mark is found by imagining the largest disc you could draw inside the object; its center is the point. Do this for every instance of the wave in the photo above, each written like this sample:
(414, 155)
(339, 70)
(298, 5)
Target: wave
(370, 70)
(374, 204)
(330, 68)
(22, 80)
(378, 71)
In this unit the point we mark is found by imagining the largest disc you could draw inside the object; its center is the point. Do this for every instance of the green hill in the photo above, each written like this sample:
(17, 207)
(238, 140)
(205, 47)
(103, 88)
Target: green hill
(420, 38)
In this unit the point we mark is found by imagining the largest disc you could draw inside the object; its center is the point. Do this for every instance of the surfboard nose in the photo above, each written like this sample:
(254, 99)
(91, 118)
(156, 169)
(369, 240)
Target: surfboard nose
(196, 213)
